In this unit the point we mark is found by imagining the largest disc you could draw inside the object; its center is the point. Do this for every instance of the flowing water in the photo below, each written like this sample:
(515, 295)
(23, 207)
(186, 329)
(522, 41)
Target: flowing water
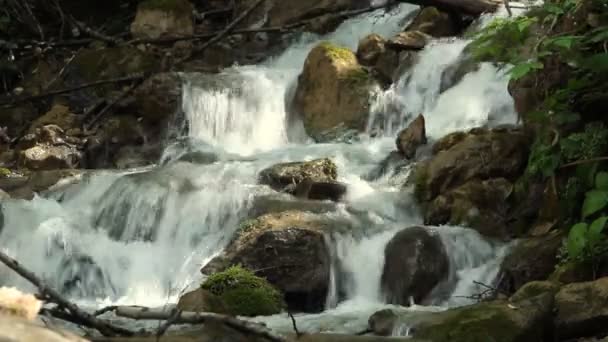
(140, 237)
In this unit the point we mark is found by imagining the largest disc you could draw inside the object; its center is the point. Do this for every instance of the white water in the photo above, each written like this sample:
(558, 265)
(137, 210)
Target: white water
(141, 238)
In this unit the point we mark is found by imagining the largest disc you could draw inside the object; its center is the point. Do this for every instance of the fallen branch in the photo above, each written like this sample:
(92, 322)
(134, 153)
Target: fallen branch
(94, 34)
(472, 7)
(72, 89)
(295, 326)
(82, 317)
(141, 313)
(584, 161)
(105, 109)
(170, 321)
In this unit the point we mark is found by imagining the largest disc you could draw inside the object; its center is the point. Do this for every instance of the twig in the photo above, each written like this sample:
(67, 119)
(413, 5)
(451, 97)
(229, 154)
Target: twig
(508, 7)
(93, 33)
(72, 89)
(105, 328)
(293, 322)
(246, 327)
(584, 161)
(111, 104)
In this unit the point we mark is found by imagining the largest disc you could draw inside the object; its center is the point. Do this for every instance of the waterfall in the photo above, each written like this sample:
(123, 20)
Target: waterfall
(141, 237)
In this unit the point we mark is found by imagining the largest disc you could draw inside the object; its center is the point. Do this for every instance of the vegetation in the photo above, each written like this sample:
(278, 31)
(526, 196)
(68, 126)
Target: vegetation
(244, 293)
(565, 38)
(338, 52)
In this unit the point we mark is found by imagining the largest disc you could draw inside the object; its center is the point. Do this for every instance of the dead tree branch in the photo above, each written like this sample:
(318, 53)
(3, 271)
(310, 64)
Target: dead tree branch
(94, 34)
(105, 109)
(83, 317)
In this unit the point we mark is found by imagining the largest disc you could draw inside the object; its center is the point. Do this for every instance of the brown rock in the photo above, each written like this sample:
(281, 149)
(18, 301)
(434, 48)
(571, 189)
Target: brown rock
(158, 98)
(409, 40)
(434, 22)
(60, 116)
(201, 300)
(320, 190)
(18, 329)
(159, 18)
(370, 48)
(582, 309)
(282, 175)
(412, 137)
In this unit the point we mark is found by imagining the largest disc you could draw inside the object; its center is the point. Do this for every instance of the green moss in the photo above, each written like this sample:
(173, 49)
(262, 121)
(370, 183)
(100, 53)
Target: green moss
(533, 289)
(179, 6)
(420, 182)
(244, 293)
(4, 172)
(338, 52)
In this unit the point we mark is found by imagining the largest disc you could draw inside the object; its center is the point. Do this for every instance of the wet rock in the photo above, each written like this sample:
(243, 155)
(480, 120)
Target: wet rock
(370, 48)
(482, 154)
(333, 89)
(18, 329)
(201, 300)
(158, 98)
(481, 205)
(3, 197)
(448, 141)
(531, 259)
(24, 187)
(528, 320)
(533, 289)
(58, 115)
(582, 309)
(156, 18)
(289, 250)
(277, 203)
(415, 262)
(383, 322)
(281, 175)
(17, 304)
(324, 24)
(408, 40)
(338, 134)
(46, 149)
(391, 65)
(454, 73)
(434, 22)
(309, 189)
(412, 137)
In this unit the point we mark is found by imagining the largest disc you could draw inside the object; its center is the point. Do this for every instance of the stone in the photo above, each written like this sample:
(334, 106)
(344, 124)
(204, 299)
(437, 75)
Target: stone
(415, 262)
(434, 22)
(276, 203)
(324, 24)
(309, 189)
(391, 65)
(582, 309)
(58, 115)
(15, 303)
(482, 154)
(370, 48)
(333, 89)
(16, 119)
(24, 187)
(288, 249)
(21, 330)
(281, 175)
(156, 18)
(46, 149)
(408, 40)
(201, 300)
(412, 137)
(159, 97)
(530, 259)
(446, 142)
(533, 289)
(480, 205)
(382, 322)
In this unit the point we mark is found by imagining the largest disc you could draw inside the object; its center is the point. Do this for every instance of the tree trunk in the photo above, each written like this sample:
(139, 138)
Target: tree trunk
(472, 7)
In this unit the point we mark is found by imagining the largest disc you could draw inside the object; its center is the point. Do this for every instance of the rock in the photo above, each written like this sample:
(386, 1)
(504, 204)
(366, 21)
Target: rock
(454, 73)
(281, 175)
(481, 205)
(324, 24)
(201, 300)
(46, 149)
(528, 320)
(309, 189)
(480, 155)
(16, 119)
(21, 330)
(244, 293)
(415, 262)
(289, 250)
(574, 272)
(531, 259)
(391, 65)
(59, 115)
(25, 187)
(156, 18)
(434, 22)
(338, 134)
(409, 40)
(370, 48)
(15, 303)
(277, 203)
(412, 137)
(533, 289)
(159, 97)
(448, 141)
(582, 309)
(382, 322)
(333, 89)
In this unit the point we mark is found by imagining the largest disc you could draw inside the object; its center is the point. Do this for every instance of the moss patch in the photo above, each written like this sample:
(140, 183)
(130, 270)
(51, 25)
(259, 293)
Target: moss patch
(339, 52)
(4, 172)
(178, 6)
(245, 293)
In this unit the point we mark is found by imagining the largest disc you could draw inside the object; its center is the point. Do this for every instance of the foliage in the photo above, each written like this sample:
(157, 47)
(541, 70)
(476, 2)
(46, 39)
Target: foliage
(543, 159)
(244, 293)
(590, 143)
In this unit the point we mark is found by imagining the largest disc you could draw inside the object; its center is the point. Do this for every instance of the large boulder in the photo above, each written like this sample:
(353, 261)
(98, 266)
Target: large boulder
(370, 49)
(289, 250)
(415, 262)
(309, 189)
(531, 259)
(582, 309)
(480, 154)
(333, 89)
(158, 98)
(48, 148)
(436, 23)
(481, 205)
(412, 137)
(282, 175)
(409, 40)
(155, 18)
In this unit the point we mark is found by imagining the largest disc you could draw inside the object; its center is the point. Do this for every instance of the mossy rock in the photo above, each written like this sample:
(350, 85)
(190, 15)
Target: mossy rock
(337, 52)
(179, 6)
(244, 293)
(533, 289)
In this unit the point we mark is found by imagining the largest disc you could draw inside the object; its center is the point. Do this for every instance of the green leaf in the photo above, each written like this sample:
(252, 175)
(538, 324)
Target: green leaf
(554, 9)
(522, 25)
(595, 200)
(597, 62)
(600, 34)
(522, 69)
(601, 181)
(563, 41)
(577, 240)
(594, 235)
(586, 172)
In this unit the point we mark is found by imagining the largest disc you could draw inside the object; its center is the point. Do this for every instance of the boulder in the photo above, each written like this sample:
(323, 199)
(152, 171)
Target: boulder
(533, 289)
(201, 300)
(528, 320)
(436, 23)
(282, 175)
(531, 259)
(46, 149)
(383, 322)
(391, 65)
(289, 250)
(412, 137)
(16, 119)
(156, 18)
(25, 186)
(582, 309)
(333, 89)
(277, 203)
(21, 330)
(481, 205)
(409, 40)
(58, 115)
(309, 189)
(370, 49)
(448, 141)
(482, 154)
(415, 262)
(159, 97)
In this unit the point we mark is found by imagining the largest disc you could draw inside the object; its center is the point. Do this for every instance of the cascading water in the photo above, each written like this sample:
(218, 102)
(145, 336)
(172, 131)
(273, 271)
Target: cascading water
(140, 237)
